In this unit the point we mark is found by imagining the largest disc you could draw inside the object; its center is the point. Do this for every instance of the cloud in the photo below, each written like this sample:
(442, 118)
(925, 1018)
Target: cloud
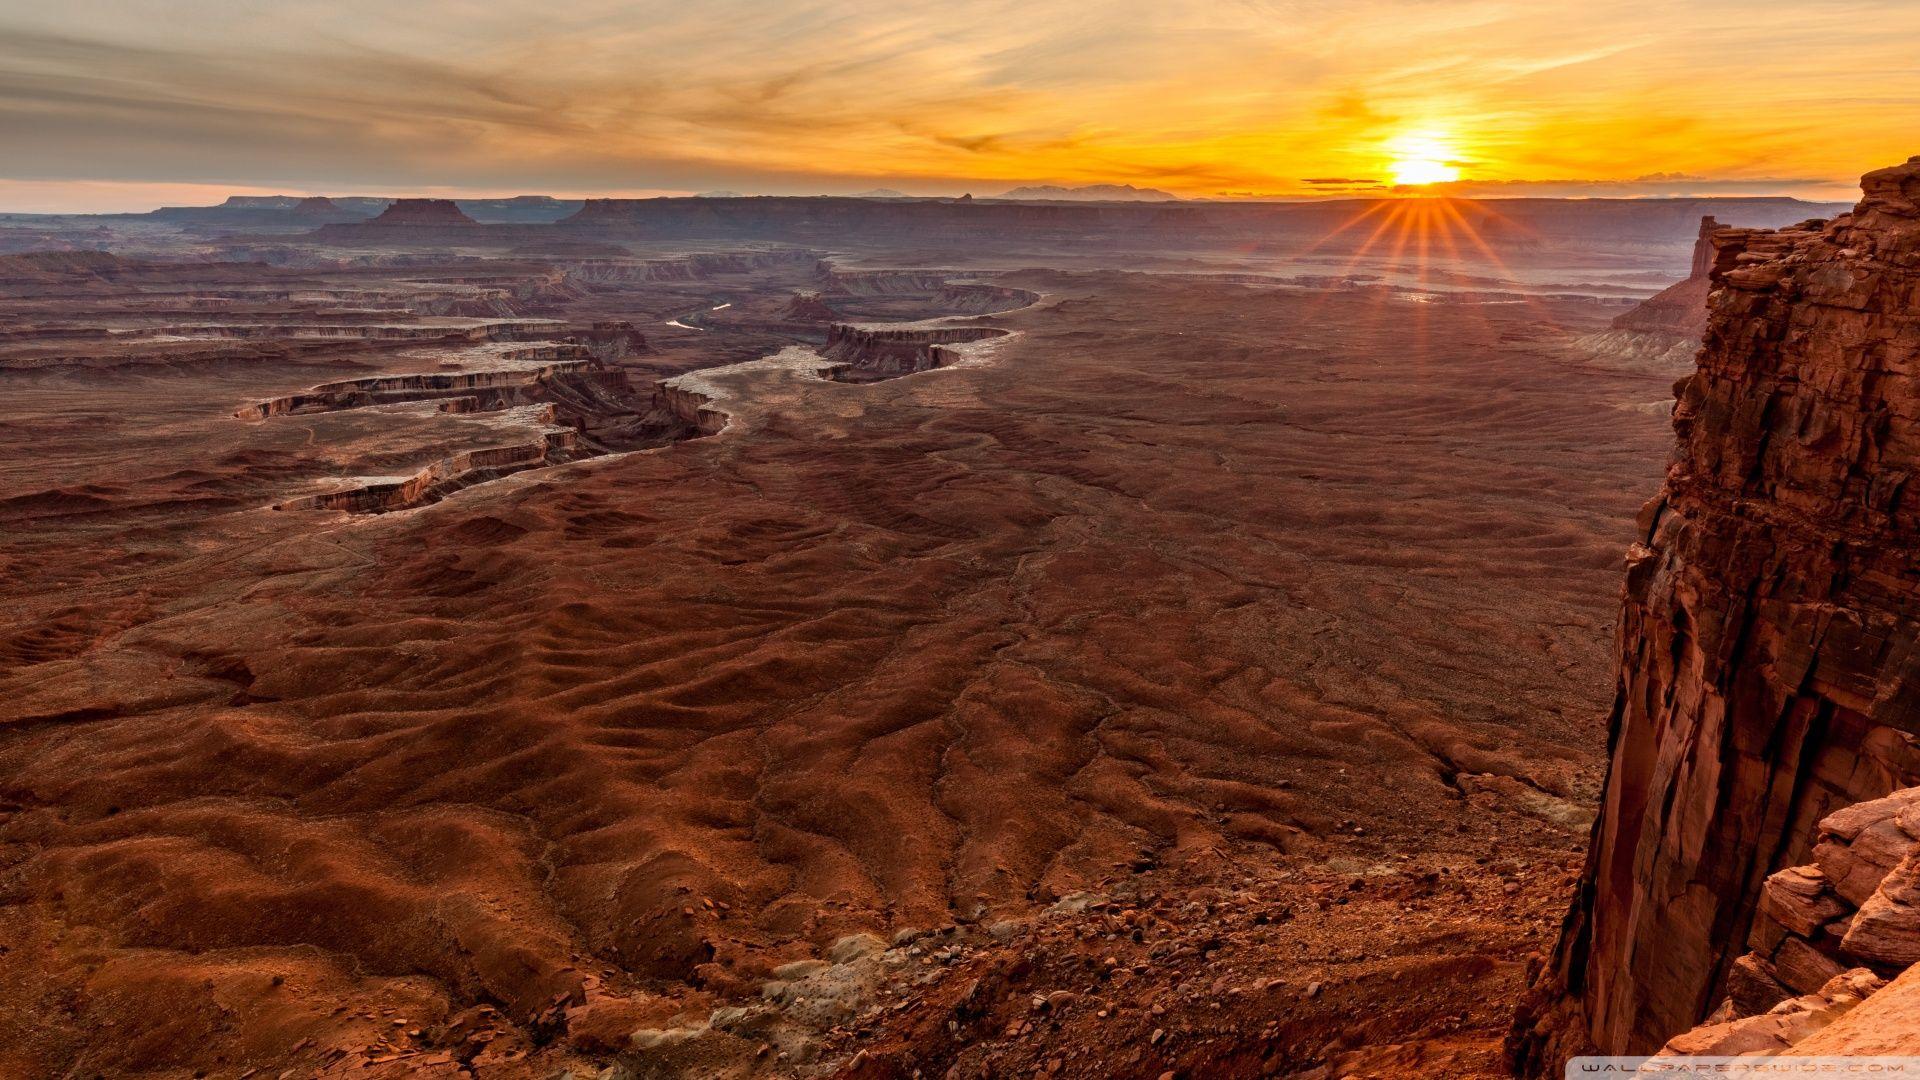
(930, 96)
(1656, 185)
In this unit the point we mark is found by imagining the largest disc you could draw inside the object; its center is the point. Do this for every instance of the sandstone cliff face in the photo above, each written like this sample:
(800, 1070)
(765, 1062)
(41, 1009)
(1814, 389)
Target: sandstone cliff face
(1833, 932)
(1665, 329)
(1769, 672)
(870, 354)
(1682, 308)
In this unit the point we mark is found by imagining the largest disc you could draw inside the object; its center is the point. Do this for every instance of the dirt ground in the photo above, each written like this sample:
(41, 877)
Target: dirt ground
(1205, 679)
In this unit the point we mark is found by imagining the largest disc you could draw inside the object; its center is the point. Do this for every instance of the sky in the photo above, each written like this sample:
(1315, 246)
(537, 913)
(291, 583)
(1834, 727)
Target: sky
(132, 104)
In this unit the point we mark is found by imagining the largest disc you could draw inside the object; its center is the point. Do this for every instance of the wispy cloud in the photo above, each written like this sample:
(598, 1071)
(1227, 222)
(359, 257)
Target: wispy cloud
(1197, 96)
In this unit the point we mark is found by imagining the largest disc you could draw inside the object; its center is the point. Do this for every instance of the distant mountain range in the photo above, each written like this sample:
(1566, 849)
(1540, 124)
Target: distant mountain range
(1090, 193)
(876, 193)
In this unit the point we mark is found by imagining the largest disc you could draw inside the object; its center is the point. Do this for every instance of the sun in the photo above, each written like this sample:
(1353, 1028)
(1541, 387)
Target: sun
(1423, 157)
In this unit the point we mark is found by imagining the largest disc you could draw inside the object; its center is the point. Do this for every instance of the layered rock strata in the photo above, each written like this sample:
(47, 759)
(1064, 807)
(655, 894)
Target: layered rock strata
(393, 389)
(1665, 329)
(446, 476)
(1783, 1028)
(1853, 905)
(1768, 667)
(579, 413)
(1829, 937)
(869, 354)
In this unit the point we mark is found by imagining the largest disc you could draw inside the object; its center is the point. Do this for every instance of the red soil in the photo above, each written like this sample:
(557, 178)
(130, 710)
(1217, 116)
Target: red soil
(1279, 617)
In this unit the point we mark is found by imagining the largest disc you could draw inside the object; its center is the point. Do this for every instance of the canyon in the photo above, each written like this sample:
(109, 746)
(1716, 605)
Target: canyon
(890, 638)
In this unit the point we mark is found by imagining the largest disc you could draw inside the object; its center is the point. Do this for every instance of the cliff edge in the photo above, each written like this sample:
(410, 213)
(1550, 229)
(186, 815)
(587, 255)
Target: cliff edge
(1664, 330)
(1680, 308)
(1768, 671)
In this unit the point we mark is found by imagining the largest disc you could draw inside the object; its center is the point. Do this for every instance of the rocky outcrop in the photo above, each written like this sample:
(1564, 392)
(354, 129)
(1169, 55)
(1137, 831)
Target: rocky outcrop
(1681, 308)
(428, 213)
(689, 407)
(981, 298)
(1665, 329)
(520, 209)
(885, 282)
(444, 477)
(1828, 937)
(321, 208)
(35, 268)
(808, 307)
(393, 389)
(273, 211)
(611, 339)
(1855, 904)
(1769, 647)
(869, 354)
(424, 223)
(1783, 1027)
(1886, 1024)
(951, 296)
(578, 406)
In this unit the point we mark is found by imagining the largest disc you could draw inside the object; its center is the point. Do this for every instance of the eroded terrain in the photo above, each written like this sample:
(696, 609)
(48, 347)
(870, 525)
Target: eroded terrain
(873, 671)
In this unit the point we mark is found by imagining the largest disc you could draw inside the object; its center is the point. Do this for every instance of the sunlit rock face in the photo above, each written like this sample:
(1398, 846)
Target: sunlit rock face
(1830, 961)
(1664, 331)
(1768, 670)
(1680, 309)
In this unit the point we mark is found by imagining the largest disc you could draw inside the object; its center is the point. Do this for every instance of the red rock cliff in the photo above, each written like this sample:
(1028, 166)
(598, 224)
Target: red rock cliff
(1769, 672)
(1681, 308)
(1664, 330)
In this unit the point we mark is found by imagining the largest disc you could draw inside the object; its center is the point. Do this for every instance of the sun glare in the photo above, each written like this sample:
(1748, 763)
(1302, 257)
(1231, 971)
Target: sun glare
(1422, 157)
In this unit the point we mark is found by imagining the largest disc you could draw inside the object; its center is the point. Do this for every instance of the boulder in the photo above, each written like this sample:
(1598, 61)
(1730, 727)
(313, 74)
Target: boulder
(1886, 930)
(1785, 1027)
(1798, 898)
(1887, 1024)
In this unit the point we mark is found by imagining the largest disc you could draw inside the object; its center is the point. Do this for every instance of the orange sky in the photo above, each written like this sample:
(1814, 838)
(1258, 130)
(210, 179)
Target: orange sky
(127, 104)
